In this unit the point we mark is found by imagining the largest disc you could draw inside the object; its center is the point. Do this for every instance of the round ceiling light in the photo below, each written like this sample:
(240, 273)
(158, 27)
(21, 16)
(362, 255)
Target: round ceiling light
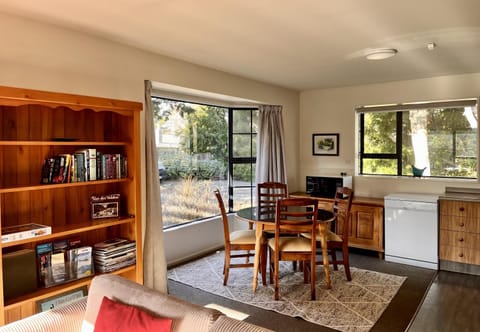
(380, 53)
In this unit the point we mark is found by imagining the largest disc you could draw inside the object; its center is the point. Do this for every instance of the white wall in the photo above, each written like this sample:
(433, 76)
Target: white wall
(332, 111)
(46, 57)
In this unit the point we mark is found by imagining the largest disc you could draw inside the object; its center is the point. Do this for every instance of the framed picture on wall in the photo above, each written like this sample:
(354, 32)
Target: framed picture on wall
(325, 144)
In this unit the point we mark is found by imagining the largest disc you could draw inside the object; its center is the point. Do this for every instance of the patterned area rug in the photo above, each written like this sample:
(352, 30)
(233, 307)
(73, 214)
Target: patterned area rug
(348, 306)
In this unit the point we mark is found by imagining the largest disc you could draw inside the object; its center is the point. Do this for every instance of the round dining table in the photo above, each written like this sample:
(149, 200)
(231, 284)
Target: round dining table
(263, 223)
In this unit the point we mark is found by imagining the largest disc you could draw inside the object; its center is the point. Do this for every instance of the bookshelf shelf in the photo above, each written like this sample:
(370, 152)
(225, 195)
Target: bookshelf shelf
(69, 230)
(62, 143)
(39, 125)
(25, 188)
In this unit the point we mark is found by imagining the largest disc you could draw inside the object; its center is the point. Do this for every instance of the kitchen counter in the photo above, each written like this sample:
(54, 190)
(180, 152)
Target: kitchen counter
(461, 194)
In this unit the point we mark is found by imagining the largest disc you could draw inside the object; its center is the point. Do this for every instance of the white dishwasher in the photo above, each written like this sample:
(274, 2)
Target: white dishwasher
(411, 229)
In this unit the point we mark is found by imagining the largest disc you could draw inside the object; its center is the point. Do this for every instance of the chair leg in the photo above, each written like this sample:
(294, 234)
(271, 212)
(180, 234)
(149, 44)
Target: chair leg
(334, 259)
(271, 266)
(346, 264)
(312, 277)
(263, 263)
(226, 267)
(305, 272)
(276, 267)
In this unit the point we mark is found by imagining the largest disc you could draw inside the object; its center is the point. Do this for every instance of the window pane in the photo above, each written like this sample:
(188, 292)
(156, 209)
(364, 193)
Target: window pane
(242, 146)
(192, 146)
(242, 121)
(380, 132)
(380, 166)
(242, 198)
(243, 174)
(443, 141)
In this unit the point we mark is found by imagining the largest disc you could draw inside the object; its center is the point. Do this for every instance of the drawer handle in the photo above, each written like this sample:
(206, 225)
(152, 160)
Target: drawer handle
(462, 209)
(462, 224)
(461, 239)
(460, 255)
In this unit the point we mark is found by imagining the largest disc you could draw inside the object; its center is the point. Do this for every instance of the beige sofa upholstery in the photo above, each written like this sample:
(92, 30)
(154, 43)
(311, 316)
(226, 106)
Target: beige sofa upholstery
(82, 314)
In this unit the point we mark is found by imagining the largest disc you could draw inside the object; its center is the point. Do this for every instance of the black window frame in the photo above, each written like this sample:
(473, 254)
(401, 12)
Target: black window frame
(232, 160)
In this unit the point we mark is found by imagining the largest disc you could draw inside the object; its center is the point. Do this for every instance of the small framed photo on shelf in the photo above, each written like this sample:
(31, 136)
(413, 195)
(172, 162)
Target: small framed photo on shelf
(325, 144)
(105, 206)
(60, 299)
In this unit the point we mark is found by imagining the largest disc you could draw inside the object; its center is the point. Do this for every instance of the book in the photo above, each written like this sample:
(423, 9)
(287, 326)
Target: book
(92, 164)
(80, 166)
(45, 172)
(59, 273)
(84, 266)
(44, 263)
(110, 243)
(67, 168)
(25, 231)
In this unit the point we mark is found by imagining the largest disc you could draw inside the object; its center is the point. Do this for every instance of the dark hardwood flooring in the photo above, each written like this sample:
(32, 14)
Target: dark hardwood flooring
(451, 304)
(438, 301)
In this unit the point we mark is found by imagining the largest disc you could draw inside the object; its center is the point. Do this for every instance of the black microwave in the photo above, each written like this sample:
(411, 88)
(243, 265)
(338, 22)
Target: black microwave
(325, 186)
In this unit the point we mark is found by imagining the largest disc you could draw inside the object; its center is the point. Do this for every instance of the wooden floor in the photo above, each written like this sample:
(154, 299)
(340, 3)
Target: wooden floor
(451, 304)
(429, 301)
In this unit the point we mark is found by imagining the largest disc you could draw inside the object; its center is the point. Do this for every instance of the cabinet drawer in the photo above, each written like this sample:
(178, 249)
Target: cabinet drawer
(460, 209)
(460, 224)
(461, 255)
(460, 239)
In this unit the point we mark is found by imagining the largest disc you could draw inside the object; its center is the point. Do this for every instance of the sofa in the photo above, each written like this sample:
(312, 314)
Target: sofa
(82, 314)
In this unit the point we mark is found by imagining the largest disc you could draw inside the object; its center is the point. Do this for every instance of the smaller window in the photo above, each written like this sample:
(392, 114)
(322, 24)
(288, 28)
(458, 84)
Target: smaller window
(440, 139)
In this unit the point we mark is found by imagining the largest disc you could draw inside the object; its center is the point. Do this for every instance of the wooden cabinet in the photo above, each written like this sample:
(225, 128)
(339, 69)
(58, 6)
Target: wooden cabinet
(35, 125)
(366, 228)
(459, 235)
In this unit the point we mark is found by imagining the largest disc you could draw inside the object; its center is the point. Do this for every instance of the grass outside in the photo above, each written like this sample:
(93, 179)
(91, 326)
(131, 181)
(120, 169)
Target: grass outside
(186, 200)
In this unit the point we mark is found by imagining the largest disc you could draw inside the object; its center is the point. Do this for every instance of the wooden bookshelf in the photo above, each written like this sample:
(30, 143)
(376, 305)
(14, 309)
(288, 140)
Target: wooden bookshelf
(35, 125)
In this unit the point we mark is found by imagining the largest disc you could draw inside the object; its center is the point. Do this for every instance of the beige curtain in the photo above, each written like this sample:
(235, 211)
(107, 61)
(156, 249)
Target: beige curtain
(271, 165)
(154, 262)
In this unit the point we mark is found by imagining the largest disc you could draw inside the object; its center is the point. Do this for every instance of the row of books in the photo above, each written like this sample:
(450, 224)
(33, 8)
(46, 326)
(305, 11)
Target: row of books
(84, 165)
(63, 260)
(113, 254)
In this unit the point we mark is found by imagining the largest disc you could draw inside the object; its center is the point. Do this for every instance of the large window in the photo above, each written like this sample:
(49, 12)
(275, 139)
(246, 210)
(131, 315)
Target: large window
(439, 139)
(200, 148)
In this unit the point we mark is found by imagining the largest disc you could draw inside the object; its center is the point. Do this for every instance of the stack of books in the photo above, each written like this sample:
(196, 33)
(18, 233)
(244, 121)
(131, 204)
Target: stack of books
(113, 254)
(83, 165)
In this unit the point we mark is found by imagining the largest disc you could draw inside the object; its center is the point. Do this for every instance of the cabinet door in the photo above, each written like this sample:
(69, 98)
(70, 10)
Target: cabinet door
(366, 227)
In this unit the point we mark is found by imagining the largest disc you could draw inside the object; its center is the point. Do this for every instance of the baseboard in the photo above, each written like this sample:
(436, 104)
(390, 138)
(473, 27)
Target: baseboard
(194, 256)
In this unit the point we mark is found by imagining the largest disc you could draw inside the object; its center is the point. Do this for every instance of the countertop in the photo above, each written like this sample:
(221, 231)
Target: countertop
(461, 194)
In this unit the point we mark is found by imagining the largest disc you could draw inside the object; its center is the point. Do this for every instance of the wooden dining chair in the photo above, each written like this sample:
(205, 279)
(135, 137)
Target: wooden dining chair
(337, 236)
(268, 193)
(239, 244)
(294, 216)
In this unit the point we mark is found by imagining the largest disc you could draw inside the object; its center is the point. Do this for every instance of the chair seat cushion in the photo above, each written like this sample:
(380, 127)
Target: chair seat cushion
(242, 237)
(330, 236)
(292, 244)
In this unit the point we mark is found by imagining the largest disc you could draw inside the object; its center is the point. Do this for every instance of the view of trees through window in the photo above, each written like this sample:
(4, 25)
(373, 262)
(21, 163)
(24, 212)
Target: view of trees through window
(440, 141)
(193, 159)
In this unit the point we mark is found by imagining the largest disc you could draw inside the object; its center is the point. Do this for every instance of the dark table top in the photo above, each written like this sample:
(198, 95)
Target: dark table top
(250, 213)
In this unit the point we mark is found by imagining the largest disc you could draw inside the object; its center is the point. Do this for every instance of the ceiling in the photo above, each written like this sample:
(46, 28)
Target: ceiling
(301, 45)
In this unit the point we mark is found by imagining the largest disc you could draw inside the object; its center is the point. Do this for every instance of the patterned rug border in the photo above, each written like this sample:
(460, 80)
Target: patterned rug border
(348, 306)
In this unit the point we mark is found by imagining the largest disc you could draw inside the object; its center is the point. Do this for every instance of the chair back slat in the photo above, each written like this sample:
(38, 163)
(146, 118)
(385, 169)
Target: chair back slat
(268, 193)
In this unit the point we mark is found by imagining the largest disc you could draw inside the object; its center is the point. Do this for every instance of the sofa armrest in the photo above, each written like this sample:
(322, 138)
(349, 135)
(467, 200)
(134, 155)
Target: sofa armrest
(227, 324)
(68, 318)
